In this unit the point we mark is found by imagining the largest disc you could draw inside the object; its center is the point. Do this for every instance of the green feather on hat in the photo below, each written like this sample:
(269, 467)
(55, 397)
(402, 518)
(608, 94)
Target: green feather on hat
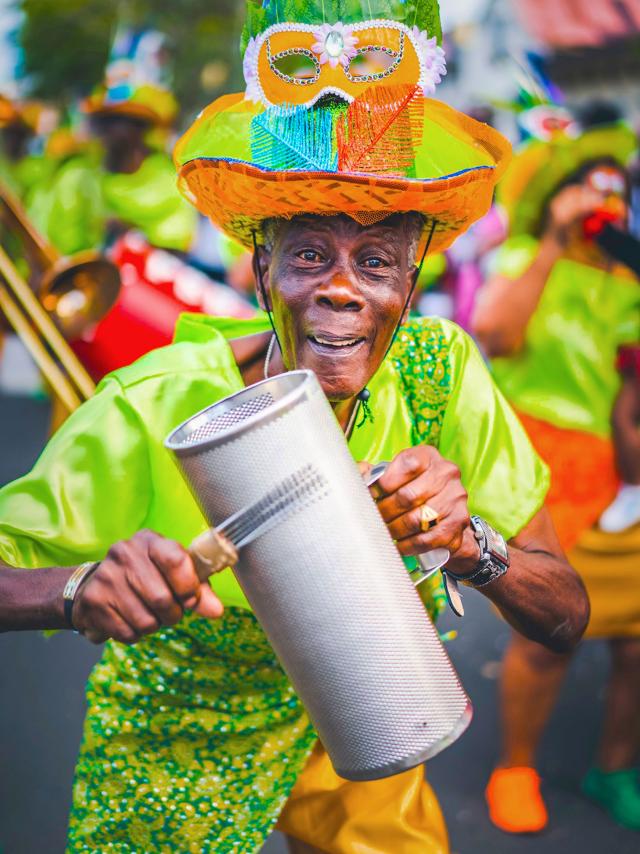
(262, 14)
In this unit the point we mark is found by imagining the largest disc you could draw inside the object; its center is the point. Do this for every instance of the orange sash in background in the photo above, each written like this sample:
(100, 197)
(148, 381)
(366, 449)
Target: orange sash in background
(584, 480)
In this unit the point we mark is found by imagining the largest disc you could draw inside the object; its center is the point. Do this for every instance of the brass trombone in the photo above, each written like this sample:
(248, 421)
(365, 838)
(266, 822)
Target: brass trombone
(60, 297)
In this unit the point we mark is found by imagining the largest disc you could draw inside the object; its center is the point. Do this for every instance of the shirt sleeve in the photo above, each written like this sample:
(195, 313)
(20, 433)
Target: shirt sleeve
(505, 479)
(90, 487)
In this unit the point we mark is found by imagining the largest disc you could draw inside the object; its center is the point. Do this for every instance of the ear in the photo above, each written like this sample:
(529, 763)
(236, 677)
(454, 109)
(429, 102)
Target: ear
(260, 264)
(412, 282)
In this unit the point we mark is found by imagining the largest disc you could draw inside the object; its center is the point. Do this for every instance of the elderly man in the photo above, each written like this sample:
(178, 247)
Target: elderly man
(194, 739)
(105, 488)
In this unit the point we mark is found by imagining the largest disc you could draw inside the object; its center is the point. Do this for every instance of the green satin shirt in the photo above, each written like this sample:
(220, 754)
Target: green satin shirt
(105, 474)
(150, 201)
(565, 373)
(72, 208)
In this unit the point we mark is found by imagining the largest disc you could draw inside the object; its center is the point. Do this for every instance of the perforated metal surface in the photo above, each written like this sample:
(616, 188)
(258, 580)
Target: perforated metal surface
(333, 595)
(226, 419)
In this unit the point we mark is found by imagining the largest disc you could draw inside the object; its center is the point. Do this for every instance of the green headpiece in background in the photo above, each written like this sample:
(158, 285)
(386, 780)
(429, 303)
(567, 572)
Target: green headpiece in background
(262, 14)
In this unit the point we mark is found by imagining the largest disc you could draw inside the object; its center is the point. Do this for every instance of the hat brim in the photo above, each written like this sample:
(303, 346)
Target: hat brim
(238, 196)
(457, 168)
(131, 109)
(539, 168)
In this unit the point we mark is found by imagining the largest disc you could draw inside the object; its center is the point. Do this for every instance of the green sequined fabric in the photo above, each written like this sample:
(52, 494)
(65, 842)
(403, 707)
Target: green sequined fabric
(262, 14)
(420, 355)
(192, 743)
(194, 737)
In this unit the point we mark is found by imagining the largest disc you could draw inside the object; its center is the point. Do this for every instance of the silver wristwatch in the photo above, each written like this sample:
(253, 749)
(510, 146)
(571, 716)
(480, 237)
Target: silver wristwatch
(494, 555)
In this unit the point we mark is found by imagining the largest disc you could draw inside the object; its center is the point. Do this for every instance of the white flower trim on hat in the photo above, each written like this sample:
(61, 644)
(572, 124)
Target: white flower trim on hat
(431, 56)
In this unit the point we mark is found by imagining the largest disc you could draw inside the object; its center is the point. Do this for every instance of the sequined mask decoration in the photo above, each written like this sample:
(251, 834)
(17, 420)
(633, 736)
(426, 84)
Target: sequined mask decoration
(298, 64)
(339, 97)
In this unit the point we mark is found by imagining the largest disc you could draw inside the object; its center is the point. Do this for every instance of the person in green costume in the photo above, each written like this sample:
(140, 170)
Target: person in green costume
(95, 197)
(131, 114)
(21, 170)
(193, 734)
(137, 185)
(90, 200)
(194, 740)
(552, 319)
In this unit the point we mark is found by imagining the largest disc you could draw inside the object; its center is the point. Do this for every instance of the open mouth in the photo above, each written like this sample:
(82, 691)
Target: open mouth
(334, 344)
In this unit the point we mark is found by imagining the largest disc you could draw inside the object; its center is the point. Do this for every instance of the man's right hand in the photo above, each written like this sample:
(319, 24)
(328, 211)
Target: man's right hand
(142, 584)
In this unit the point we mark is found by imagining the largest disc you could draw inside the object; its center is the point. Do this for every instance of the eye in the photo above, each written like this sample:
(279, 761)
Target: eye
(311, 256)
(374, 262)
(294, 65)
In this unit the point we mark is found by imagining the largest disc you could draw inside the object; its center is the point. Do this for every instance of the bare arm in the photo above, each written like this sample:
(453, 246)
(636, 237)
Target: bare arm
(541, 594)
(625, 421)
(142, 584)
(32, 598)
(505, 306)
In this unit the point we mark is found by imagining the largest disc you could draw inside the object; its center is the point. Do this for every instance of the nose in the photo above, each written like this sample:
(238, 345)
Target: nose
(340, 293)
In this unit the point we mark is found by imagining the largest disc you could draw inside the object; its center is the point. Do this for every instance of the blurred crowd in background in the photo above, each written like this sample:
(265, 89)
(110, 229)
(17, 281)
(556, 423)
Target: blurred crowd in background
(92, 97)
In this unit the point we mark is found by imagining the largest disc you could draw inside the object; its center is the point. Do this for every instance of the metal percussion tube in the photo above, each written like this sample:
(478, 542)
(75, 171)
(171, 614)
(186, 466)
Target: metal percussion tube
(327, 584)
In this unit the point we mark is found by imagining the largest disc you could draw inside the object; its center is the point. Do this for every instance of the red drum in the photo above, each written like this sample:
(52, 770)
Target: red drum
(156, 288)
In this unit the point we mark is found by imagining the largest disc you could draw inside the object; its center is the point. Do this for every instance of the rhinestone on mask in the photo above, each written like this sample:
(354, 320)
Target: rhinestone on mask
(334, 44)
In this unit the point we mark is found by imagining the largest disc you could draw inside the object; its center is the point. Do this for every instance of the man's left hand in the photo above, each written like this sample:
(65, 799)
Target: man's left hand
(419, 476)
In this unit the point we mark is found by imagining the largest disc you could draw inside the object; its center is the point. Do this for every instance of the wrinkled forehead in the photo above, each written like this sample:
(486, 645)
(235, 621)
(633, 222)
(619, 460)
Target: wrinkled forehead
(393, 230)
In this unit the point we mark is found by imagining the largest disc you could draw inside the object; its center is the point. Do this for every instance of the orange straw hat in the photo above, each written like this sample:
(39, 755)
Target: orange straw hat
(336, 119)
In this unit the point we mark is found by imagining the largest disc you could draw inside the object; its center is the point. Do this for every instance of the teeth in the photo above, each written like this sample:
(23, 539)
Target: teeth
(346, 343)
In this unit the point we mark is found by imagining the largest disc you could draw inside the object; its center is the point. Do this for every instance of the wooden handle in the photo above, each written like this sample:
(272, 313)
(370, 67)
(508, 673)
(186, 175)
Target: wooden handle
(211, 552)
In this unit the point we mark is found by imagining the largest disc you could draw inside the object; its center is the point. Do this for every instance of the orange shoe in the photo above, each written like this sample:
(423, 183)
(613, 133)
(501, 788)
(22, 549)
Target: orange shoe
(514, 800)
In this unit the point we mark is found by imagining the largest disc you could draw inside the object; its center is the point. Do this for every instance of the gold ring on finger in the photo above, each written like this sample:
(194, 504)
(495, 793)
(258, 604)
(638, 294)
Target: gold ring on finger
(428, 517)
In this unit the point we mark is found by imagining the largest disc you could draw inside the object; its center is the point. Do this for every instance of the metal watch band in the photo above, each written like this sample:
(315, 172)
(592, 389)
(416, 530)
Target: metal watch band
(494, 556)
(79, 574)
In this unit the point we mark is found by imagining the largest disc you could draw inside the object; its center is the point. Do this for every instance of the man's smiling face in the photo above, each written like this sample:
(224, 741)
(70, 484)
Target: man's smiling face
(337, 291)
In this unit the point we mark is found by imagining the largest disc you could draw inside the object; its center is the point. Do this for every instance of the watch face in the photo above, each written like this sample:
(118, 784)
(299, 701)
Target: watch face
(496, 545)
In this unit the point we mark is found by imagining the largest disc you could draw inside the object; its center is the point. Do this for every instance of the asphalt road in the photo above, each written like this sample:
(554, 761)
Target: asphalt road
(41, 709)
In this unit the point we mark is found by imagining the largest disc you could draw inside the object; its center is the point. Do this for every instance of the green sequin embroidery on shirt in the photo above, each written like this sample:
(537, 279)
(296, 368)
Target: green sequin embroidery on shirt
(420, 355)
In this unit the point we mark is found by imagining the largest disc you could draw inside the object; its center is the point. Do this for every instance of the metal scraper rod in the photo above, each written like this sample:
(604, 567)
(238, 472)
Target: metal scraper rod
(288, 496)
(217, 548)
